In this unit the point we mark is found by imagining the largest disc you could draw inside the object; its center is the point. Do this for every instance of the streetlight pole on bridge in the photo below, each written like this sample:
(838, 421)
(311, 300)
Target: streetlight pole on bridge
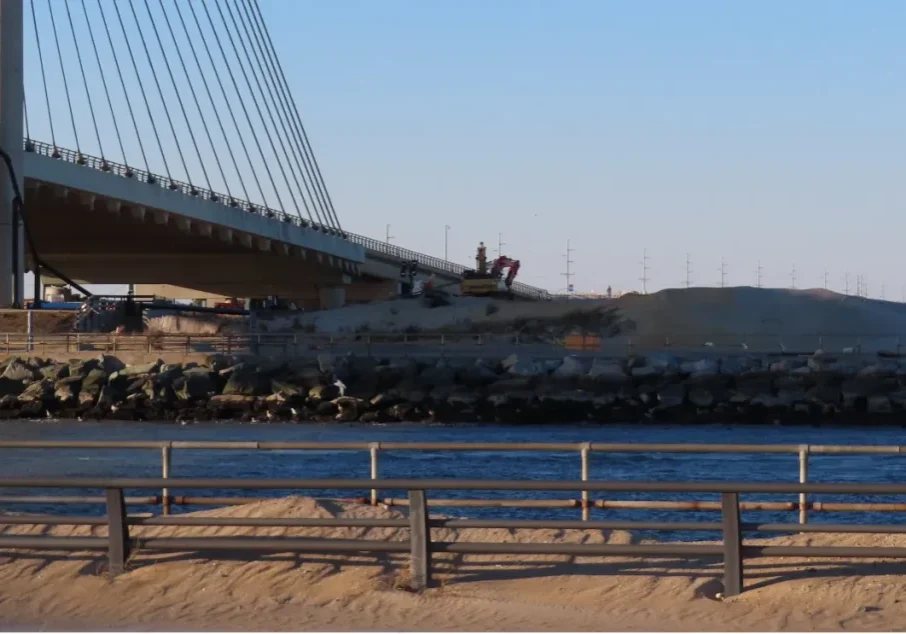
(12, 100)
(446, 242)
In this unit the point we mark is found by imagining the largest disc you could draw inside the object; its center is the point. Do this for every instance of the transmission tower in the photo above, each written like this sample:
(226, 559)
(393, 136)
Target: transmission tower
(645, 279)
(793, 278)
(688, 271)
(500, 244)
(569, 273)
(882, 293)
(846, 286)
(825, 278)
(758, 275)
(723, 273)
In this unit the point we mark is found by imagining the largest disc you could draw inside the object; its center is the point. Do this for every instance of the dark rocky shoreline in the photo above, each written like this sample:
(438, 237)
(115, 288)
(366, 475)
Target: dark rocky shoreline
(818, 389)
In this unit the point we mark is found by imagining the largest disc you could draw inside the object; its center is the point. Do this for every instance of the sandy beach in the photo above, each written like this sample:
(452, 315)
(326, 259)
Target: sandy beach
(229, 591)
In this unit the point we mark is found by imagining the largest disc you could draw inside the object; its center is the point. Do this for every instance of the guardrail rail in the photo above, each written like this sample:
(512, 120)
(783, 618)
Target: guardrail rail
(421, 547)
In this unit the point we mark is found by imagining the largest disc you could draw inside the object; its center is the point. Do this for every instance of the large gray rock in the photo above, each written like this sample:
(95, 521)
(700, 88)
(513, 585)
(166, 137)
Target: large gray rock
(527, 368)
(350, 408)
(324, 392)
(288, 391)
(39, 391)
(570, 367)
(110, 364)
(66, 391)
(94, 381)
(327, 362)
(701, 398)
(19, 370)
(246, 381)
(439, 374)
(55, 371)
(137, 370)
(607, 371)
(462, 399)
(824, 395)
(878, 404)
(195, 384)
(671, 395)
(700, 367)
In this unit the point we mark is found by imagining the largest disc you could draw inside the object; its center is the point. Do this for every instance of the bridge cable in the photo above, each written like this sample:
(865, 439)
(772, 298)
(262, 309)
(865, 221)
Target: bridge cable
(229, 107)
(56, 38)
(94, 120)
(295, 110)
(271, 115)
(160, 43)
(317, 198)
(195, 99)
(97, 56)
(141, 87)
(284, 119)
(160, 93)
(267, 169)
(119, 71)
(25, 115)
(53, 138)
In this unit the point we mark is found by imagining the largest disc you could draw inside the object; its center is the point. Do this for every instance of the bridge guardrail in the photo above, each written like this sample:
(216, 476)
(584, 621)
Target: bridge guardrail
(420, 545)
(104, 165)
(884, 345)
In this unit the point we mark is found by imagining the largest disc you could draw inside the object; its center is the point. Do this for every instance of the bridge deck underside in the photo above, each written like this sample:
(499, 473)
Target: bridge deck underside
(96, 240)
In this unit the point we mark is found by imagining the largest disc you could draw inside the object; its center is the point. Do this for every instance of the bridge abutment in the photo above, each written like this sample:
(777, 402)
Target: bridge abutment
(12, 99)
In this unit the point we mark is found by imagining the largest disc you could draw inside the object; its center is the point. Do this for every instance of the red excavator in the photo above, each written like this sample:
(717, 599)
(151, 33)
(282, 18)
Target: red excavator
(487, 283)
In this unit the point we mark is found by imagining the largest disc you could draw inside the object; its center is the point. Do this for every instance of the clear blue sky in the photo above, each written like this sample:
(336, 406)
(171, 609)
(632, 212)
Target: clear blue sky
(770, 130)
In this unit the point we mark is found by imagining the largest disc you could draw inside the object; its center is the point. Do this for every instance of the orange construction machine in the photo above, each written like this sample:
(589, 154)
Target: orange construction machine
(485, 282)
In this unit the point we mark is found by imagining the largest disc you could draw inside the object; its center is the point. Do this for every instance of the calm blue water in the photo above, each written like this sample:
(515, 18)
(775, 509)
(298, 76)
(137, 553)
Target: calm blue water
(510, 465)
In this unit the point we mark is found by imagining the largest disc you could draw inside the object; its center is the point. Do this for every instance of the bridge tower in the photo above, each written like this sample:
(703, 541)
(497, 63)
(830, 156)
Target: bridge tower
(12, 100)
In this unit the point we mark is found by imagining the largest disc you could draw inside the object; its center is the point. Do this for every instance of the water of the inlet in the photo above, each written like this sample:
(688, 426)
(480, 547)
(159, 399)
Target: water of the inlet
(477, 465)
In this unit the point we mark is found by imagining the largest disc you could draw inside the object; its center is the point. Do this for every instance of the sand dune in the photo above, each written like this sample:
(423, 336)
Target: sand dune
(227, 591)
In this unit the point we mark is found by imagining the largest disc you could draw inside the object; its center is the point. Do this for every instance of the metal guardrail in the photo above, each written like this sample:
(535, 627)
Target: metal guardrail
(292, 343)
(119, 544)
(584, 449)
(71, 156)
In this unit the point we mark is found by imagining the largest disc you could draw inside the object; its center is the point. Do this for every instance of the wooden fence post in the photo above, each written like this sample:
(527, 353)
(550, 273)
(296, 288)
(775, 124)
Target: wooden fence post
(117, 532)
(419, 541)
(732, 544)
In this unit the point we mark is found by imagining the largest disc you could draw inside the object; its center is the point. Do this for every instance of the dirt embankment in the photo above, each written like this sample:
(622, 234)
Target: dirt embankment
(46, 322)
(232, 591)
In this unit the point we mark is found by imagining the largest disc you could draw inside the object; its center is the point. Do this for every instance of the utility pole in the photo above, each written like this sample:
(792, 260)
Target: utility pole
(569, 274)
(846, 287)
(388, 236)
(758, 275)
(882, 293)
(793, 278)
(644, 279)
(446, 242)
(688, 271)
(12, 101)
(723, 273)
(825, 278)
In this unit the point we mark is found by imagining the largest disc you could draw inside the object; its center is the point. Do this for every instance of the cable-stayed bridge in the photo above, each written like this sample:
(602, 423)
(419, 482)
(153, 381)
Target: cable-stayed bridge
(162, 145)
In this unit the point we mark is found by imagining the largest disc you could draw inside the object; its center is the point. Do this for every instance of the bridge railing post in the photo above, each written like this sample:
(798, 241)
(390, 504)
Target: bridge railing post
(117, 532)
(419, 541)
(732, 536)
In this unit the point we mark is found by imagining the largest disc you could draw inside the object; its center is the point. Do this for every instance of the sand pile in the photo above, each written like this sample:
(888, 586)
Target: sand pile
(227, 591)
(676, 313)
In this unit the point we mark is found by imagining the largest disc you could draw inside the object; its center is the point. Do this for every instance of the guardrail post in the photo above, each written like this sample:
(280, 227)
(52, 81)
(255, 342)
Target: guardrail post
(732, 544)
(165, 452)
(375, 447)
(188, 343)
(419, 541)
(803, 478)
(117, 532)
(583, 452)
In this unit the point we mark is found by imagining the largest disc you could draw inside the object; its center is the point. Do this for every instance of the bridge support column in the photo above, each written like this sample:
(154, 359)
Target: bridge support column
(12, 99)
(331, 297)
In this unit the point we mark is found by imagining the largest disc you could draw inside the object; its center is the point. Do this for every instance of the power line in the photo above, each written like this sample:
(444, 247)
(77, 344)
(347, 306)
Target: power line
(569, 274)
(644, 279)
